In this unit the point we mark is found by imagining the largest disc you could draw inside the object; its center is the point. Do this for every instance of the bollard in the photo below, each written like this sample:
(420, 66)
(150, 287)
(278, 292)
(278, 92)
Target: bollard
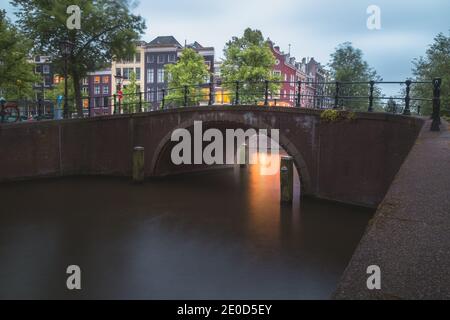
(138, 164)
(287, 179)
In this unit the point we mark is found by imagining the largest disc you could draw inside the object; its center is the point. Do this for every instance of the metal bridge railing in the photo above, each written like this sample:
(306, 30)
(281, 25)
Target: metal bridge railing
(359, 96)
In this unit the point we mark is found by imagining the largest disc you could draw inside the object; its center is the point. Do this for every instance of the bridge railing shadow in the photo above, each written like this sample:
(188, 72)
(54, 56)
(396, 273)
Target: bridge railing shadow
(413, 98)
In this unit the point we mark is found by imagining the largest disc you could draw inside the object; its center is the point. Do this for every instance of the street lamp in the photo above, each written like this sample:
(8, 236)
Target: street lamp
(66, 50)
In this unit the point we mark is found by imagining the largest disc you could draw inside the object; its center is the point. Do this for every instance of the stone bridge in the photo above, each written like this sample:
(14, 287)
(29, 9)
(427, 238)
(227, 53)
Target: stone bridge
(352, 161)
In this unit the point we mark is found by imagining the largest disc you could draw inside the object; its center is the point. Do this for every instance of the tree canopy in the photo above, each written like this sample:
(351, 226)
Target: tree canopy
(436, 64)
(348, 65)
(17, 76)
(250, 60)
(191, 71)
(109, 30)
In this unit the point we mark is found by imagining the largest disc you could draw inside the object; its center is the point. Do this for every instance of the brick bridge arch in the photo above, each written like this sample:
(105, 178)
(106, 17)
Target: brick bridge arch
(230, 121)
(352, 161)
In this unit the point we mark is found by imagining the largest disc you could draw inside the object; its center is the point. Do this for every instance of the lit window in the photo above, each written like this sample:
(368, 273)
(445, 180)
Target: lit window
(97, 79)
(105, 79)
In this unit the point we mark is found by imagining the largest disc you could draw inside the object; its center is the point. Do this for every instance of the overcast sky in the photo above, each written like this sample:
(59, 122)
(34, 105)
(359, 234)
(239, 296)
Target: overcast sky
(313, 27)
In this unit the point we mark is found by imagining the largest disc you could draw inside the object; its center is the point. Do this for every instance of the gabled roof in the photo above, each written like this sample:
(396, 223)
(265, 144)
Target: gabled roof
(165, 41)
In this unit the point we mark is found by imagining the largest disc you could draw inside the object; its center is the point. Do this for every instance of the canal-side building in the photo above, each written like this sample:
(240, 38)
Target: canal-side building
(96, 90)
(166, 50)
(44, 69)
(122, 69)
(286, 71)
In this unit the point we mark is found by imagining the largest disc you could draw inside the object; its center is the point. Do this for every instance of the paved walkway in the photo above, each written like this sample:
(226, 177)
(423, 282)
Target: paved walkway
(409, 238)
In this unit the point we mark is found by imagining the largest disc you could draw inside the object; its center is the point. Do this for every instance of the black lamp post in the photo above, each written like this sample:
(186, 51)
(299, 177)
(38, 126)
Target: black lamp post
(66, 49)
(119, 93)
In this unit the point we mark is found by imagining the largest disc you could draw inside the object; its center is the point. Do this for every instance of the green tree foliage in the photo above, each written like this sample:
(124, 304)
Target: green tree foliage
(392, 106)
(436, 64)
(347, 65)
(191, 71)
(108, 31)
(131, 100)
(16, 73)
(250, 60)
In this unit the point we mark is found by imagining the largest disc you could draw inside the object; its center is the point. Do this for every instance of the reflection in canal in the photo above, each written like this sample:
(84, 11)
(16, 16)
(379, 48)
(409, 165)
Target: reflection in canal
(216, 235)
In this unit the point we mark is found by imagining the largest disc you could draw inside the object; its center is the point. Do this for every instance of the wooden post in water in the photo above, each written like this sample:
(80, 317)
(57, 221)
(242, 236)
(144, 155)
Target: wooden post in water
(287, 179)
(138, 164)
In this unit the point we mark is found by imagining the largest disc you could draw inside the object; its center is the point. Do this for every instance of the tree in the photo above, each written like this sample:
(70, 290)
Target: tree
(190, 71)
(131, 95)
(436, 64)
(249, 60)
(16, 73)
(108, 31)
(347, 65)
(391, 106)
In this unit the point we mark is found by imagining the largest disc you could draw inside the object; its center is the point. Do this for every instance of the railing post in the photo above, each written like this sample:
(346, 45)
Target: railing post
(435, 125)
(163, 102)
(211, 92)
(185, 96)
(115, 104)
(372, 87)
(299, 94)
(336, 95)
(266, 93)
(407, 111)
(237, 93)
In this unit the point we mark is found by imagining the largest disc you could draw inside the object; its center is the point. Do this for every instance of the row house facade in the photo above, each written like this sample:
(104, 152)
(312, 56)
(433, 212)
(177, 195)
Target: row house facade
(43, 68)
(149, 64)
(311, 74)
(285, 70)
(97, 93)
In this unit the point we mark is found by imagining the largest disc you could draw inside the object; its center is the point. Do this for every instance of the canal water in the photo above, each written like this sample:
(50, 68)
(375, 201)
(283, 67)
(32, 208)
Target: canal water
(215, 235)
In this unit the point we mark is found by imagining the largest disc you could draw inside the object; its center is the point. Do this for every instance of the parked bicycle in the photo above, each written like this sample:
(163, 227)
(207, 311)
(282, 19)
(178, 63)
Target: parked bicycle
(9, 111)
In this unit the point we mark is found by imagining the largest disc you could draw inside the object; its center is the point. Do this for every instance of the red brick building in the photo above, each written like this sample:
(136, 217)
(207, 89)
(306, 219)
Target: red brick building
(286, 70)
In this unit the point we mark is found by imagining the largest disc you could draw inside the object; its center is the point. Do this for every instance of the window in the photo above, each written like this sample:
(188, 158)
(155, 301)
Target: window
(97, 79)
(160, 75)
(105, 102)
(105, 79)
(126, 72)
(46, 69)
(138, 57)
(277, 74)
(85, 81)
(172, 57)
(105, 90)
(160, 95)
(150, 76)
(150, 58)
(138, 73)
(161, 58)
(97, 102)
(97, 90)
(118, 71)
(84, 91)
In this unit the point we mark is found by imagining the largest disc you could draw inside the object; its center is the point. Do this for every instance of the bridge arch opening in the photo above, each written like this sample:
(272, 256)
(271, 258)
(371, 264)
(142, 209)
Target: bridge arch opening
(162, 165)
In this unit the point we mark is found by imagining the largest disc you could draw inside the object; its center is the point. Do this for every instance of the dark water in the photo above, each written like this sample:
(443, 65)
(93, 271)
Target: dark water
(219, 235)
